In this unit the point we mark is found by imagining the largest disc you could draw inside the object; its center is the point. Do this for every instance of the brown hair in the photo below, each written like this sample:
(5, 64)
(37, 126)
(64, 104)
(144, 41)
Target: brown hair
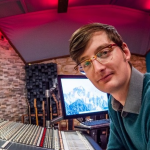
(81, 37)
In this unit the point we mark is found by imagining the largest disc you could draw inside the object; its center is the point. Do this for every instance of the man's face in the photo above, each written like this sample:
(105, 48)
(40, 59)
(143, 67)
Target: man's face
(113, 75)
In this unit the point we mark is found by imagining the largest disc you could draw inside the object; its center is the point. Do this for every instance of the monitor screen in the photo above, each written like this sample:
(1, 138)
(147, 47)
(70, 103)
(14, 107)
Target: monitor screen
(80, 98)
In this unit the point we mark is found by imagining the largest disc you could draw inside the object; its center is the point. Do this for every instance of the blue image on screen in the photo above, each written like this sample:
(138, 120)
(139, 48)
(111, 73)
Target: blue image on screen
(81, 96)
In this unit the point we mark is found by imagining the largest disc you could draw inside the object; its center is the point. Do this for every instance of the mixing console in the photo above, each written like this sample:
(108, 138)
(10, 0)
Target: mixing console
(19, 136)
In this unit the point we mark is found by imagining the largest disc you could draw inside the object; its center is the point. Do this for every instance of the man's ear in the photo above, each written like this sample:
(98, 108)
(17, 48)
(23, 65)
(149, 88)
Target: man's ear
(126, 51)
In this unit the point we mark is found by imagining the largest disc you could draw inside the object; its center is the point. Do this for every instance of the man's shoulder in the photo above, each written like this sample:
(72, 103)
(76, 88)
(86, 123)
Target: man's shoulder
(147, 75)
(146, 84)
(146, 79)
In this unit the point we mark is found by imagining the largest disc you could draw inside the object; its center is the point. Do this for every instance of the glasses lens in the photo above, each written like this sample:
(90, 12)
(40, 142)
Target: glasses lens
(86, 64)
(104, 55)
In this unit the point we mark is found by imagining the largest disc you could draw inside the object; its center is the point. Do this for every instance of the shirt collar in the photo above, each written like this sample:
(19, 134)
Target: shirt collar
(133, 101)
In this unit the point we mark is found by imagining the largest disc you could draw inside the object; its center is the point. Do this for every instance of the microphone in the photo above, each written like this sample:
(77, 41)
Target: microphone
(47, 95)
(55, 82)
(47, 90)
(54, 85)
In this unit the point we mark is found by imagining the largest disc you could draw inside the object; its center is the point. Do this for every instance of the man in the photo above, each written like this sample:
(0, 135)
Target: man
(100, 52)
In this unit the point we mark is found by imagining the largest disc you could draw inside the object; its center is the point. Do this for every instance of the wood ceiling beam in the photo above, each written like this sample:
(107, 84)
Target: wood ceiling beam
(24, 6)
(62, 6)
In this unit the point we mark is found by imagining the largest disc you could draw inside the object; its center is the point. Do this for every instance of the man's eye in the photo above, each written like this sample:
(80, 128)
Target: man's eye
(86, 63)
(103, 53)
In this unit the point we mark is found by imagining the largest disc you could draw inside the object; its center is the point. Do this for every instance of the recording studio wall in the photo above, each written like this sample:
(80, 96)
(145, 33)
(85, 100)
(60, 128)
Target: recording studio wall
(37, 75)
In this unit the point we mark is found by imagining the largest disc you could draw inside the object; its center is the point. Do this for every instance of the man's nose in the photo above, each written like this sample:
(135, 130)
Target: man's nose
(97, 66)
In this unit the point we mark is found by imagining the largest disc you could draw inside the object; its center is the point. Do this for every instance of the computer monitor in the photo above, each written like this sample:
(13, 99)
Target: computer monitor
(80, 98)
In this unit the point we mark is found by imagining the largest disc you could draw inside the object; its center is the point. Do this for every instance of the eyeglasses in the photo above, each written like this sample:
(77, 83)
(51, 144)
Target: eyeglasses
(103, 56)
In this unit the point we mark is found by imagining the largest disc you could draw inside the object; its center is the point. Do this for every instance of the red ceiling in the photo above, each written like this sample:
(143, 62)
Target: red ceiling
(37, 31)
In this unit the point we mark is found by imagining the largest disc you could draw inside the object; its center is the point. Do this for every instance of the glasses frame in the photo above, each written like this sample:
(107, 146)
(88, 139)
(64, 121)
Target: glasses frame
(95, 56)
